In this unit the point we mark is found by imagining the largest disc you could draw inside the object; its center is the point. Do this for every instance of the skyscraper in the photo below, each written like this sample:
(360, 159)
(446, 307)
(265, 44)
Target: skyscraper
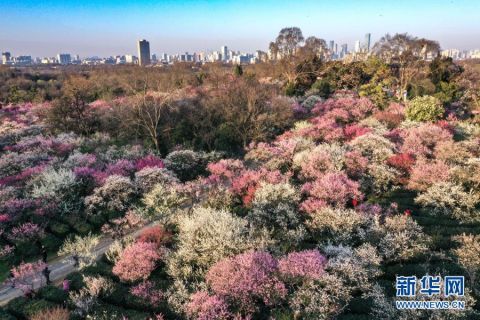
(331, 45)
(344, 50)
(367, 42)
(143, 52)
(224, 53)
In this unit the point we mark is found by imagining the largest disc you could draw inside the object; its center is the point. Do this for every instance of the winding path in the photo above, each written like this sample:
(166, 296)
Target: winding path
(59, 268)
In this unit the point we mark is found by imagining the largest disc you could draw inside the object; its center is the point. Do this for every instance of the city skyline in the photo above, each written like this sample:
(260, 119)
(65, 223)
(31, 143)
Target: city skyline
(177, 26)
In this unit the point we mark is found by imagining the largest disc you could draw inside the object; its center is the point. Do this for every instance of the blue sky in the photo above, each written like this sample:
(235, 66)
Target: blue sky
(44, 28)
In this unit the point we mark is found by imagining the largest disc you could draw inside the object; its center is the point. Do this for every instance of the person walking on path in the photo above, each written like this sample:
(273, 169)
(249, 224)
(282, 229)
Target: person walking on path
(46, 273)
(44, 253)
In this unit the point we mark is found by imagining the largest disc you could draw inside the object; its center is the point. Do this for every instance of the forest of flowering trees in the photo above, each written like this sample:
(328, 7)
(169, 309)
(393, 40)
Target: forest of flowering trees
(295, 189)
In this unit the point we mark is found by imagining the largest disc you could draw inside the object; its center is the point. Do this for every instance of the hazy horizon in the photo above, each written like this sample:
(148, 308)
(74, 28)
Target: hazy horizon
(91, 28)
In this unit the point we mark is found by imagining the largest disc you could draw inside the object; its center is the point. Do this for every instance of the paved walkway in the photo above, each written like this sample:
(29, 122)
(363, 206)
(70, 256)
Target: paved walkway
(59, 267)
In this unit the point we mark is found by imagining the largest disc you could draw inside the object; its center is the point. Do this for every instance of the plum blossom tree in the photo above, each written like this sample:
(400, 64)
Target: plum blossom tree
(137, 261)
(450, 199)
(203, 306)
(81, 249)
(25, 274)
(247, 277)
(274, 208)
(205, 237)
(334, 188)
(426, 173)
(146, 290)
(308, 264)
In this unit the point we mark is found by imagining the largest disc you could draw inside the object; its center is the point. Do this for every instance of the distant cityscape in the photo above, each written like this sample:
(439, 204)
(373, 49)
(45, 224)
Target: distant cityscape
(334, 51)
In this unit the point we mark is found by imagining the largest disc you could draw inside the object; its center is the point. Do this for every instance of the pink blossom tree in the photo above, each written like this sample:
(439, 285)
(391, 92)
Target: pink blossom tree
(305, 264)
(137, 261)
(25, 275)
(247, 277)
(147, 292)
(334, 188)
(202, 306)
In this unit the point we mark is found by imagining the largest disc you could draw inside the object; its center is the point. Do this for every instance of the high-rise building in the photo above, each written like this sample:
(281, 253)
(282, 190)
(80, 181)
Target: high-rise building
(357, 46)
(224, 53)
(6, 57)
(331, 45)
(366, 45)
(344, 50)
(144, 52)
(64, 58)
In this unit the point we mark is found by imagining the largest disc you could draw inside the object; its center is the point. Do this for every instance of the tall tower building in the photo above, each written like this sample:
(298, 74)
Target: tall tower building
(224, 53)
(331, 45)
(367, 42)
(143, 52)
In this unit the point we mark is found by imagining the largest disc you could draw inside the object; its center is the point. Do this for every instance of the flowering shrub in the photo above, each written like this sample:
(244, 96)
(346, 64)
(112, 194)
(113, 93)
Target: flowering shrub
(357, 267)
(314, 163)
(149, 161)
(226, 169)
(249, 180)
(114, 196)
(148, 177)
(372, 146)
(422, 140)
(338, 225)
(323, 299)
(26, 232)
(156, 235)
(450, 199)
(82, 248)
(305, 264)
(400, 238)
(137, 261)
(353, 131)
(392, 116)
(427, 173)
(245, 278)
(120, 168)
(57, 186)
(162, 202)
(25, 274)
(77, 159)
(205, 307)
(205, 237)
(186, 164)
(402, 162)
(147, 292)
(274, 209)
(355, 108)
(333, 188)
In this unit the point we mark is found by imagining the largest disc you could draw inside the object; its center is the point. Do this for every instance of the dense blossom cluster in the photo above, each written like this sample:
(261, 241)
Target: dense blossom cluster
(302, 227)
